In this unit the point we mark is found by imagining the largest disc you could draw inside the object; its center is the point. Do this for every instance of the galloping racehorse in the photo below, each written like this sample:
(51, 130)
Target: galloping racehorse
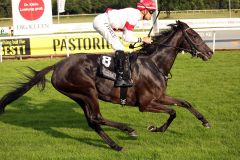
(77, 77)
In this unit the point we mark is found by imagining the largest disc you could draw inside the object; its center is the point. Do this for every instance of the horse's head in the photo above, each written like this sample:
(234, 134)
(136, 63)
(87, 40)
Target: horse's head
(193, 42)
(190, 41)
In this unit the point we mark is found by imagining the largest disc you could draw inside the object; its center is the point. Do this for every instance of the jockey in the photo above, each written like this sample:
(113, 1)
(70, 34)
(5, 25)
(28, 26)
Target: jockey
(123, 20)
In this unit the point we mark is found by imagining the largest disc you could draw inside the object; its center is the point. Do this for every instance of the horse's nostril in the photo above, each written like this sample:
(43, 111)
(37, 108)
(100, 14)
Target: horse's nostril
(210, 53)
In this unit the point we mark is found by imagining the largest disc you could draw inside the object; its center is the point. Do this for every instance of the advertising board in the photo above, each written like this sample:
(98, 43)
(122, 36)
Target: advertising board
(32, 17)
(65, 44)
(56, 45)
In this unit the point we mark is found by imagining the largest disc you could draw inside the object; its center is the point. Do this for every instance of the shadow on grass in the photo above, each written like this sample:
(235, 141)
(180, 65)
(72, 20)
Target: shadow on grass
(45, 117)
(49, 116)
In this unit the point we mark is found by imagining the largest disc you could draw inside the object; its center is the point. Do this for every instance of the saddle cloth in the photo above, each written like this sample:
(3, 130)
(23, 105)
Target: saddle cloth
(106, 69)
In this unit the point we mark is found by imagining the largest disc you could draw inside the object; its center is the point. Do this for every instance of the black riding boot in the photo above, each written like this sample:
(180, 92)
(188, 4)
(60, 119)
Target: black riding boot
(121, 70)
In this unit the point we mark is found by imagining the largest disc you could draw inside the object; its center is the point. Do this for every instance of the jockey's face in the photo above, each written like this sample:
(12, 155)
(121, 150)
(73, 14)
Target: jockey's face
(147, 15)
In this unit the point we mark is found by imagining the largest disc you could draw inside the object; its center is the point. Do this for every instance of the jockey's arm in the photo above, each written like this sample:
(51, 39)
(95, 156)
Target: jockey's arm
(129, 37)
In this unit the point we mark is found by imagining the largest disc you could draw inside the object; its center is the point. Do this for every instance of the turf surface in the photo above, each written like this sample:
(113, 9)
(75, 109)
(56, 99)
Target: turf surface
(48, 125)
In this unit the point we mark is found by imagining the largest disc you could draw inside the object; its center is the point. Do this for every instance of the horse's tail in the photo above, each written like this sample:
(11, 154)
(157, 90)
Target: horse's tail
(38, 78)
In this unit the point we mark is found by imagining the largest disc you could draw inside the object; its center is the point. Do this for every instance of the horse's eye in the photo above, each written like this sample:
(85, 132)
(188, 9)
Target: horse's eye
(195, 36)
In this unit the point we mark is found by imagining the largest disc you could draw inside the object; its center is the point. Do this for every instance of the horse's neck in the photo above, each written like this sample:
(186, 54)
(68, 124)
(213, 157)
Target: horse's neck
(165, 56)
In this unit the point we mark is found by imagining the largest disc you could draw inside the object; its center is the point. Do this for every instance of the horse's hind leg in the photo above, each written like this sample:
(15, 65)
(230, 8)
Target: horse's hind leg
(120, 126)
(95, 125)
(182, 103)
(94, 118)
(102, 121)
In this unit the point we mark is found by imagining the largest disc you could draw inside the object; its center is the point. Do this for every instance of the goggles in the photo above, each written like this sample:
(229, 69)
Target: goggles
(151, 11)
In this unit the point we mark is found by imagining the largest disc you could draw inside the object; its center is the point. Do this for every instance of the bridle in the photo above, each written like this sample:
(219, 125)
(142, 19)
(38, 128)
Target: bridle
(192, 44)
(193, 50)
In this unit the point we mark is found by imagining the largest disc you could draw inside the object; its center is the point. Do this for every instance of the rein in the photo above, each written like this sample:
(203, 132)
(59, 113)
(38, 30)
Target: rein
(162, 44)
(193, 45)
(166, 77)
(132, 46)
(180, 48)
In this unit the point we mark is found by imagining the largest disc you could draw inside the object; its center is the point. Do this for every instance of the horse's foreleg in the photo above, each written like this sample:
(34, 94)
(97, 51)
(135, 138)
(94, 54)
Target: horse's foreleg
(159, 108)
(182, 103)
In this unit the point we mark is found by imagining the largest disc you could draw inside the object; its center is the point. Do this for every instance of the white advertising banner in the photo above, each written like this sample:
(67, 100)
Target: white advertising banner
(32, 17)
(61, 6)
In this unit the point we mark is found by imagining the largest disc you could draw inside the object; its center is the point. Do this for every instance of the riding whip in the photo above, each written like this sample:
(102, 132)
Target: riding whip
(132, 46)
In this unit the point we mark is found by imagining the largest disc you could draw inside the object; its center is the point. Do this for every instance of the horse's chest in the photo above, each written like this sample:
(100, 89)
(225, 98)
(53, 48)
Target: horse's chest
(157, 90)
(152, 87)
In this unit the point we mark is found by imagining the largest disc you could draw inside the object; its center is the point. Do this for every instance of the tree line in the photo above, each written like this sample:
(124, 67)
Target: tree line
(98, 6)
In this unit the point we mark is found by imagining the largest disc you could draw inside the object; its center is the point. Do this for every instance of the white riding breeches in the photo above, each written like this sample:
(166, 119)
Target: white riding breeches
(101, 25)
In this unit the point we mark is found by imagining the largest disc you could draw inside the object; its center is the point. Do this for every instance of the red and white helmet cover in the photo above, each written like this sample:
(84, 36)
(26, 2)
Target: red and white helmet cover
(146, 4)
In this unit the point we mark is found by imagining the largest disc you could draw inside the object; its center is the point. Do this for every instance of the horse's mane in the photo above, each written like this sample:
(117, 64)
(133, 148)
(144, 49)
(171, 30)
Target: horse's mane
(161, 37)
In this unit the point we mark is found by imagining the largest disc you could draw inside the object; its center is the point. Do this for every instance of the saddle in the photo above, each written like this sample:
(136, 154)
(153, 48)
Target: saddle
(106, 69)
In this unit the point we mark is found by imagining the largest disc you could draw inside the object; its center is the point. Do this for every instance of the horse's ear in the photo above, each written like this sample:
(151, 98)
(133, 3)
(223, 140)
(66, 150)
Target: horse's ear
(179, 23)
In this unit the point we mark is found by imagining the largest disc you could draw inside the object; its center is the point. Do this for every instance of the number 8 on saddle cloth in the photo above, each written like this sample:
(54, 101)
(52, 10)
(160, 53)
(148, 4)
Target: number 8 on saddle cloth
(107, 69)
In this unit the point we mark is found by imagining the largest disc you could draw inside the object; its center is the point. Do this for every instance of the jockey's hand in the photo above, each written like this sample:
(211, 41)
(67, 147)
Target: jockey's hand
(147, 40)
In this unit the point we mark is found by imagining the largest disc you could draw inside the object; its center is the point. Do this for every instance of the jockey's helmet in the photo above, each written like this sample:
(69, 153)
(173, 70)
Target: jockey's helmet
(146, 4)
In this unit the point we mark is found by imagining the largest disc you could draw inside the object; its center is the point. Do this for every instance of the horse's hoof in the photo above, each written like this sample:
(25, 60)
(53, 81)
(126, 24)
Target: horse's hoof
(1, 110)
(117, 148)
(206, 125)
(133, 134)
(152, 128)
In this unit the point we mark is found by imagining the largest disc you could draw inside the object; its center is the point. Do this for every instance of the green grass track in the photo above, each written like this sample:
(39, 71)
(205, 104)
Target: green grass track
(47, 125)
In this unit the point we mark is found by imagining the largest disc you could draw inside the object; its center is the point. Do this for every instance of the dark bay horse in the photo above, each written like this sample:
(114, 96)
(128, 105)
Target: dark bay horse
(77, 78)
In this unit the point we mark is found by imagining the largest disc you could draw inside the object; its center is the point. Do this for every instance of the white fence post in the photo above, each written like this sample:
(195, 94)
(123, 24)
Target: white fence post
(1, 59)
(214, 41)
(67, 45)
